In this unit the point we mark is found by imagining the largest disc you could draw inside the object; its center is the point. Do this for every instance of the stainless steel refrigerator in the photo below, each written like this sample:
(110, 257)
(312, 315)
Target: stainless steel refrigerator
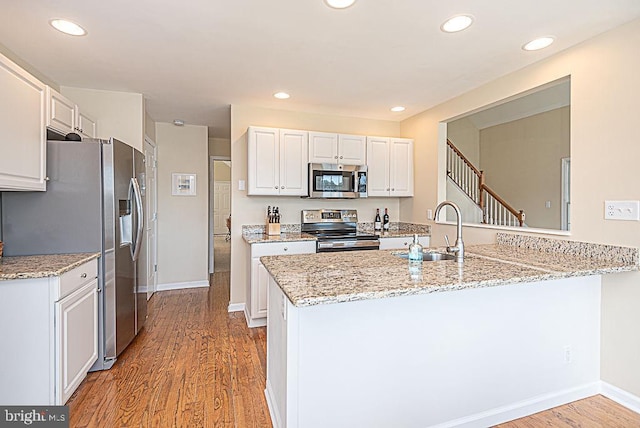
(94, 203)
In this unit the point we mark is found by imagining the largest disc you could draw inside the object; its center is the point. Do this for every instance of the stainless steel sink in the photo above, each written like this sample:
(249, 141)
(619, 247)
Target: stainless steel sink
(429, 256)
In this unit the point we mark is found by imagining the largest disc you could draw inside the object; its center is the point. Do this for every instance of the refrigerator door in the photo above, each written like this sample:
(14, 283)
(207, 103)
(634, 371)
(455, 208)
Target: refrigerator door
(125, 297)
(140, 250)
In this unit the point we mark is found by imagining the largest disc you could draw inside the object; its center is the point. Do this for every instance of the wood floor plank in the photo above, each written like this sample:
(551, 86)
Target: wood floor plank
(196, 365)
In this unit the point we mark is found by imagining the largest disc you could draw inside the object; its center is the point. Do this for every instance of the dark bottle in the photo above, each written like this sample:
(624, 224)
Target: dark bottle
(376, 223)
(385, 220)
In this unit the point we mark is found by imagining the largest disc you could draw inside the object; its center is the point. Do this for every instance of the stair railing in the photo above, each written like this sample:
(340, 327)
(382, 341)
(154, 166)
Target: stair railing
(470, 180)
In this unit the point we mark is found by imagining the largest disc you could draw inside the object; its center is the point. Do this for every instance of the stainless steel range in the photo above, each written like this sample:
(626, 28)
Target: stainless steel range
(337, 230)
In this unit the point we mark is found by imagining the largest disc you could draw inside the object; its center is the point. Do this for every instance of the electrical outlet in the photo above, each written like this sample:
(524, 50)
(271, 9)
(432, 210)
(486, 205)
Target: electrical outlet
(241, 185)
(429, 214)
(622, 210)
(567, 354)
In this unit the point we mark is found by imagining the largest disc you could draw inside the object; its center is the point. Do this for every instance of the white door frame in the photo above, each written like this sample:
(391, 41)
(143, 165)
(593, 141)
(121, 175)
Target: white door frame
(152, 253)
(211, 180)
(565, 203)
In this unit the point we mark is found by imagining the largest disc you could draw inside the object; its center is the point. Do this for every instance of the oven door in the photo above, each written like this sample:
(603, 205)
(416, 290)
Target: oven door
(337, 181)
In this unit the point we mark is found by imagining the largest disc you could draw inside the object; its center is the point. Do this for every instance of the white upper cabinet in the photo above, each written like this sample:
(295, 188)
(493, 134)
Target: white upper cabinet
(294, 147)
(65, 116)
(344, 149)
(22, 129)
(389, 166)
(277, 161)
(323, 147)
(86, 126)
(61, 112)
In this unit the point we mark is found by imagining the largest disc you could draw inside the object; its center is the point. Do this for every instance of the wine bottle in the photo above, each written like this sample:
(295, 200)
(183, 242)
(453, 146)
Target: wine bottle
(376, 223)
(385, 220)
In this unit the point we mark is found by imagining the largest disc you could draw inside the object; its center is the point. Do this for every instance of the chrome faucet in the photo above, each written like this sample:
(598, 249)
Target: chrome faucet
(458, 250)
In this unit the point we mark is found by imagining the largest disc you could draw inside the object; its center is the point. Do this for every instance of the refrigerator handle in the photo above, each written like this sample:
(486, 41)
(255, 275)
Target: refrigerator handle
(140, 220)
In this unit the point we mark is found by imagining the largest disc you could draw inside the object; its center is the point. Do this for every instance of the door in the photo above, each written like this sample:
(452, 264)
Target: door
(294, 151)
(351, 149)
(139, 243)
(378, 165)
(151, 215)
(264, 161)
(323, 147)
(125, 297)
(221, 205)
(401, 179)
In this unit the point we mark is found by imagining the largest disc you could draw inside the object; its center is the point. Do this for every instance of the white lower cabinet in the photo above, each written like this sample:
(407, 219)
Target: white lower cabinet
(256, 305)
(76, 338)
(402, 243)
(50, 325)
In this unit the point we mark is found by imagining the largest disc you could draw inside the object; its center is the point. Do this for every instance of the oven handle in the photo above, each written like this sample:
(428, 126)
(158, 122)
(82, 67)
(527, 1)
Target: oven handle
(349, 244)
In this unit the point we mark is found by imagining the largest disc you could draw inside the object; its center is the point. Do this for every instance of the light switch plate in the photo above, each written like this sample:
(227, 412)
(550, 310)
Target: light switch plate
(241, 185)
(622, 210)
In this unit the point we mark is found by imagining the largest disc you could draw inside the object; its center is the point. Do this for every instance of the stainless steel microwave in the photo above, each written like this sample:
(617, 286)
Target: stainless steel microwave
(337, 181)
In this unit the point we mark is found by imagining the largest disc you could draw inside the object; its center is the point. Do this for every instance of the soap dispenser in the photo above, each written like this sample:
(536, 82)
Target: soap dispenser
(415, 250)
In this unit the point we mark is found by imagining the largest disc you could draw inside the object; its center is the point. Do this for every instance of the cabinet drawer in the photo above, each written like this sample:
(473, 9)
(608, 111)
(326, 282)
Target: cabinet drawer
(400, 243)
(281, 248)
(76, 278)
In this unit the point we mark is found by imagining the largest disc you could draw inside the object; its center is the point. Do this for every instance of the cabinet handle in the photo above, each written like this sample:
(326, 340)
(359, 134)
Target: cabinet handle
(282, 187)
(387, 189)
(336, 157)
(47, 179)
(276, 187)
(286, 249)
(84, 275)
(393, 190)
(405, 244)
(340, 157)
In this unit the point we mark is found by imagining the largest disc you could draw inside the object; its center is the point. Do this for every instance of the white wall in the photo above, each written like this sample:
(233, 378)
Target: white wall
(219, 147)
(604, 152)
(120, 114)
(182, 220)
(252, 209)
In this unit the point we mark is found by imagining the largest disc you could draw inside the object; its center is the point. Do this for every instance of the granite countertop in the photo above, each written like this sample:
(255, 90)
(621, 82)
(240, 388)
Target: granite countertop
(41, 266)
(254, 234)
(313, 279)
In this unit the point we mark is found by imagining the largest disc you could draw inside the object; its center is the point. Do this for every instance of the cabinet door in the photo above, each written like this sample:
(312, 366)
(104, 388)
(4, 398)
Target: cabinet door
(401, 174)
(85, 125)
(294, 152)
(323, 147)
(61, 112)
(259, 291)
(22, 129)
(264, 161)
(352, 149)
(378, 165)
(76, 339)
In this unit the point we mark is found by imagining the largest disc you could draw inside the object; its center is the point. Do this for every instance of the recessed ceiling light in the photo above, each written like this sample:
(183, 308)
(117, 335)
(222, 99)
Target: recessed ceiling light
(457, 23)
(539, 43)
(281, 95)
(397, 108)
(68, 27)
(339, 4)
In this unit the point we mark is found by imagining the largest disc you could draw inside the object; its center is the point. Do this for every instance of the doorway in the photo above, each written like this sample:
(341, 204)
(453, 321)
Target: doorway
(151, 215)
(219, 214)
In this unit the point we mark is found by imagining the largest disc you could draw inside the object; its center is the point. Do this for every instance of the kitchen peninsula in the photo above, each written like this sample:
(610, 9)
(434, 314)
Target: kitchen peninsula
(356, 339)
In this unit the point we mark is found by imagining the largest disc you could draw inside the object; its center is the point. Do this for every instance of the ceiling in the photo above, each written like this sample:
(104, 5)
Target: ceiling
(194, 59)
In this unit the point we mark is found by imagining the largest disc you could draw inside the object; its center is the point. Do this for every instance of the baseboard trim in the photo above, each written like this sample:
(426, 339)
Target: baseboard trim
(182, 285)
(524, 408)
(275, 419)
(235, 307)
(620, 396)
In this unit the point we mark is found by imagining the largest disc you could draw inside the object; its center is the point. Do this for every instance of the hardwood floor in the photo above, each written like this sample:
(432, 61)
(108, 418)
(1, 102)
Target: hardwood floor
(592, 412)
(195, 365)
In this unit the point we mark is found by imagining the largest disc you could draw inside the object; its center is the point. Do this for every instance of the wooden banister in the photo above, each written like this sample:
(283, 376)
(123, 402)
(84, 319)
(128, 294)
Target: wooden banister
(472, 182)
(464, 158)
(519, 214)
